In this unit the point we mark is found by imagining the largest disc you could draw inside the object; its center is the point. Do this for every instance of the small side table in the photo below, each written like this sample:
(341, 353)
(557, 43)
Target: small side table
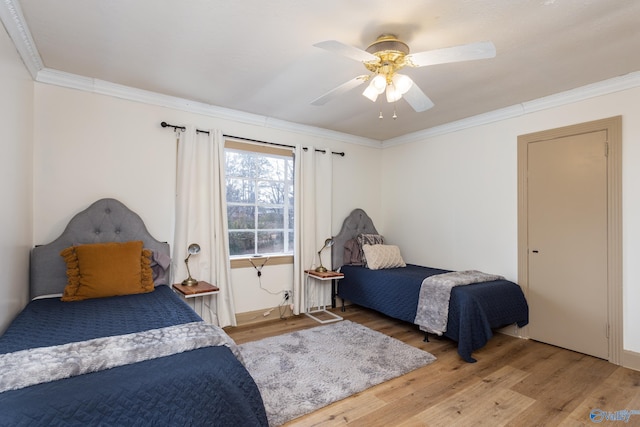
(200, 290)
(321, 310)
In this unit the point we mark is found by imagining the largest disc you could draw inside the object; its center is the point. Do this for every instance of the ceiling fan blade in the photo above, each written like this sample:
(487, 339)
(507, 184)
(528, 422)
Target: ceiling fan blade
(346, 50)
(344, 87)
(466, 52)
(417, 99)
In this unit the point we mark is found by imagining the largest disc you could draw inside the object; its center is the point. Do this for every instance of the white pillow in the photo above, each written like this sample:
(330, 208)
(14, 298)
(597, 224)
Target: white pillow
(383, 256)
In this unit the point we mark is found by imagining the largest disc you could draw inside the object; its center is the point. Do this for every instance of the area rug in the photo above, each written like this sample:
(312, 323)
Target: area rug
(302, 371)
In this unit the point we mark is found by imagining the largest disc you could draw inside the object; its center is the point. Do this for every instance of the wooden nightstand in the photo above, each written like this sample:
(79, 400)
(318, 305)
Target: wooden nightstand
(199, 290)
(190, 293)
(321, 309)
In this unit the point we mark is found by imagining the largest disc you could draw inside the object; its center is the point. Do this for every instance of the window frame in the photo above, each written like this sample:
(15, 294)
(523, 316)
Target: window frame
(241, 260)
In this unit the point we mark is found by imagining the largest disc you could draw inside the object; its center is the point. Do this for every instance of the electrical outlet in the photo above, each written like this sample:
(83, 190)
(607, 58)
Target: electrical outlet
(287, 295)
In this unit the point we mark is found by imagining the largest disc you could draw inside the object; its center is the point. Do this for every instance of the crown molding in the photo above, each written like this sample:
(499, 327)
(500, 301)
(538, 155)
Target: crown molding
(87, 84)
(13, 20)
(64, 79)
(605, 87)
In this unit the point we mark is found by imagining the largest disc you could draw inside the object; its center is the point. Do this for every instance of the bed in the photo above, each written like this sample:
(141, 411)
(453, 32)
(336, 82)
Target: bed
(144, 358)
(474, 311)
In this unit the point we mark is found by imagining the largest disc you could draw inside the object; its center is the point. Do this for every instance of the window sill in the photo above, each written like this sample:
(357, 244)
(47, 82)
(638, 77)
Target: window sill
(273, 260)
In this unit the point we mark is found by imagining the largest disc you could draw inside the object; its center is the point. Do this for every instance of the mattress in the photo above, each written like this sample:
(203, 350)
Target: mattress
(474, 310)
(208, 386)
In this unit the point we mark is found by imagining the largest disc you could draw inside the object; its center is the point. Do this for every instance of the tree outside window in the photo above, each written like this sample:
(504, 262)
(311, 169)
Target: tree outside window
(259, 187)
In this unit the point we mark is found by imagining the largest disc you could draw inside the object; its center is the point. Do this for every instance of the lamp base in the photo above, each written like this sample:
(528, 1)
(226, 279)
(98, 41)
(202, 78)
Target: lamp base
(321, 269)
(190, 281)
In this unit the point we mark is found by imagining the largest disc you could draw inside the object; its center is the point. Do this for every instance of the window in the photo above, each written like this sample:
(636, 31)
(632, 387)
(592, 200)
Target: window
(259, 186)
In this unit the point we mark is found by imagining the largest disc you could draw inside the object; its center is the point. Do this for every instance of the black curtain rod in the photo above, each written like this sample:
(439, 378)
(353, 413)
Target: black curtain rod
(182, 128)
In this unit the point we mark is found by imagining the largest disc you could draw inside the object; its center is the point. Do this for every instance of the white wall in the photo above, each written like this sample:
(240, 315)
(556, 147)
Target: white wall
(88, 146)
(459, 193)
(16, 113)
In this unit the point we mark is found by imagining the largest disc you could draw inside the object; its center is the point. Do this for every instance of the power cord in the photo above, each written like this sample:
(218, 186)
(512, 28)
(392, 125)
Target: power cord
(259, 272)
(282, 307)
(259, 269)
(287, 294)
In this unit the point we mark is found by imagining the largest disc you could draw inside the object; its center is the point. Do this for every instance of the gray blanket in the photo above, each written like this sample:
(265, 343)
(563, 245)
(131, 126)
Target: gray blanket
(38, 365)
(435, 292)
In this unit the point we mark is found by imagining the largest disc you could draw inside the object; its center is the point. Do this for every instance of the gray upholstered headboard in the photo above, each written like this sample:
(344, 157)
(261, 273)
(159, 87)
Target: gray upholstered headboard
(358, 222)
(106, 220)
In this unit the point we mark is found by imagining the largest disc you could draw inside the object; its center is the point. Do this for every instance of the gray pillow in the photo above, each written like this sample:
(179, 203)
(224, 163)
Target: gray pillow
(368, 239)
(351, 254)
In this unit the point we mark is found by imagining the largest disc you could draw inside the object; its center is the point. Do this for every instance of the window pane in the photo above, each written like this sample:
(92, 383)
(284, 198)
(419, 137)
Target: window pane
(242, 243)
(260, 201)
(239, 163)
(270, 242)
(241, 217)
(271, 192)
(271, 168)
(290, 194)
(290, 248)
(289, 170)
(240, 190)
(270, 218)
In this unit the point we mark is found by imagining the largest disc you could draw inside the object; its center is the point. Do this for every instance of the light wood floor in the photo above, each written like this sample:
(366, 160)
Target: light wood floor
(515, 382)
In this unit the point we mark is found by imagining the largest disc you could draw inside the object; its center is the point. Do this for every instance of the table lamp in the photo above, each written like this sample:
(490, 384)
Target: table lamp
(327, 243)
(193, 249)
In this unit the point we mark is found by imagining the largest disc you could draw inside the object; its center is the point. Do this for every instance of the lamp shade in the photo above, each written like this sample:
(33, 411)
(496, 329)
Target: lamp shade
(371, 93)
(327, 243)
(402, 83)
(379, 83)
(392, 94)
(193, 249)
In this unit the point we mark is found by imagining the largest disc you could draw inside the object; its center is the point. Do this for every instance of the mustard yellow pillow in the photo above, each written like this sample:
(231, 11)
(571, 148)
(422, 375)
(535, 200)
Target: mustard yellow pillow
(101, 270)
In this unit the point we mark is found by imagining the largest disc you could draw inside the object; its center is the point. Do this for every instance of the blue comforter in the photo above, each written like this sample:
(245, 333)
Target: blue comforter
(474, 310)
(208, 386)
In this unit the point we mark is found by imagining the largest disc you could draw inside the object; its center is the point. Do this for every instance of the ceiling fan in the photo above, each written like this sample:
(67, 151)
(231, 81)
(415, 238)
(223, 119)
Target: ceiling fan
(388, 55)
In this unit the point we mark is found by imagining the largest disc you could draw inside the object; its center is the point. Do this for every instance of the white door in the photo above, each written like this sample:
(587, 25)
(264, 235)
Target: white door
(567, 235)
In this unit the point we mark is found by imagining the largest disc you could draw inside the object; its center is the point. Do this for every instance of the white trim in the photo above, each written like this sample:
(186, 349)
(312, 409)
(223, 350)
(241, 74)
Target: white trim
(616, 84)
(64, 79)
(13, 20)
(631, 360)
(74, 81)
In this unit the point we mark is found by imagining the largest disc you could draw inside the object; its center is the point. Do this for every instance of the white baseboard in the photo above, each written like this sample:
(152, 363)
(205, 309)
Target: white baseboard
(514, 331)
(631, 360)
(259, 316)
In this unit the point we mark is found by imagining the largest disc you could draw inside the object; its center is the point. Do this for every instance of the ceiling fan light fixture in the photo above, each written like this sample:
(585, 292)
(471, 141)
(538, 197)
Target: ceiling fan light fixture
(392, 93)
(402, 83)
(385, 57)
(371, 92)
(379, 83)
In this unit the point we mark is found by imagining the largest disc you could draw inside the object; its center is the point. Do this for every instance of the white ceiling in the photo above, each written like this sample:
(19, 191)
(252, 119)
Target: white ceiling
(257, 56)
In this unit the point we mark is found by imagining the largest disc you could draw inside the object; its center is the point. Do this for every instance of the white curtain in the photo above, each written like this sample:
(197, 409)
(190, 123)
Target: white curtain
(201, 218)
(313, 210)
